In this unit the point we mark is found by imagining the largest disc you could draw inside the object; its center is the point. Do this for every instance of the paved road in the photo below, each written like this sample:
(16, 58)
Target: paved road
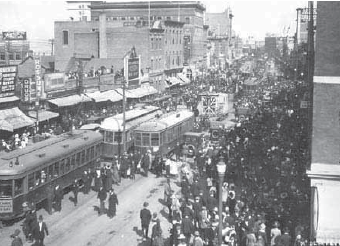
(81, 225)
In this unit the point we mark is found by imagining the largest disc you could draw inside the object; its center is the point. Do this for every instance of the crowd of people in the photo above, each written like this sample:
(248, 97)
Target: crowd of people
(265, 191)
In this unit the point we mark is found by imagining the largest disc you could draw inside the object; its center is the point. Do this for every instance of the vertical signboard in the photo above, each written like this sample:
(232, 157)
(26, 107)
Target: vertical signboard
(132, 68)
(38, 82)
(26, 90)
(7, 80)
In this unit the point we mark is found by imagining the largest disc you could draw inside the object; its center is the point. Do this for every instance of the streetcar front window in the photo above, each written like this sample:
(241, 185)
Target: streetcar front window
(145, 139)
(138, 139)
(154, 139)
(18, 186)
(108, 137)
(5, 188)
(118, 137)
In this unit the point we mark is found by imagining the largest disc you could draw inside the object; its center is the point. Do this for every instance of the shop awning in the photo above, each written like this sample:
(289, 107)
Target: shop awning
(70, 100)
(42, 115)
(184, 79)
(138, 92)
(9, 99)
(172, 81)
(110, 95)
(15, 117)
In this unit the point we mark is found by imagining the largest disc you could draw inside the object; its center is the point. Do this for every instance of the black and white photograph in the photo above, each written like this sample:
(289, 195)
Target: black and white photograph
(169, 123)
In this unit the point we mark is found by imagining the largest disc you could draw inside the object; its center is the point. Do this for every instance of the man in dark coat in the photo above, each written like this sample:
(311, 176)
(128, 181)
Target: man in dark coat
(102, 197)
(17, 241)
(145, 216)
(87, 182)
(39, 232)
(113, 202)
(188, 228)
(58, 196)
(50, 198)
(75, 190)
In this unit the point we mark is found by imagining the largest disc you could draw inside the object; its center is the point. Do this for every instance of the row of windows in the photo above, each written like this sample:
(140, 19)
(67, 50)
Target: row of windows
(11, 56)
(156, 64)
(49, 173)
(152, 18)
(156, 43)
(158, 139)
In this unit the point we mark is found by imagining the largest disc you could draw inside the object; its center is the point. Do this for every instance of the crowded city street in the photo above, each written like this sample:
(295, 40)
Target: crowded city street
(161, 123)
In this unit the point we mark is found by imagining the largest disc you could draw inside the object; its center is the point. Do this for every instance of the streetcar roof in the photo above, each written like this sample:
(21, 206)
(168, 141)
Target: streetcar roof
(165, 121)
(115, 123)
(194, 134)
(46, 151)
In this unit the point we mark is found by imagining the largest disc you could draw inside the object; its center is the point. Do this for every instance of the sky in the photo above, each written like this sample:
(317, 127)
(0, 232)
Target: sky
(251, 18)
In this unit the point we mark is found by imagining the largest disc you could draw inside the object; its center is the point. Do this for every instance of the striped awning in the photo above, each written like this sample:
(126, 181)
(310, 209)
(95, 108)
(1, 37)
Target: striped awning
(110, 95)
(70, 100)
(42, 115)
(16, 118)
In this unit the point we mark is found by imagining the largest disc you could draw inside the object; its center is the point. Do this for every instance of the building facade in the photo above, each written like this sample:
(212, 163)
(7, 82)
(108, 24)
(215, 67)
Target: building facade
(14, 48)
(325, 153)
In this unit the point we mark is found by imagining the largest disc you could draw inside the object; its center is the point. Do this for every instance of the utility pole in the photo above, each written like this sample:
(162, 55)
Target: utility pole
(124, 109)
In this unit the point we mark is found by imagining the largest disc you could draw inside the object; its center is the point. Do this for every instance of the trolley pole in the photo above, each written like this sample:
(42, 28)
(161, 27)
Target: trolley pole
(124, 109)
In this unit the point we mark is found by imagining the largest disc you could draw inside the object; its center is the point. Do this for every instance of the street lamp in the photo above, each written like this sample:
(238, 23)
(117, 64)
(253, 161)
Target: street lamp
(221, 167)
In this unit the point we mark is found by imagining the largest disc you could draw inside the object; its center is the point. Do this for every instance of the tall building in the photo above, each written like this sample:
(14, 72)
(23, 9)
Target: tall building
(14, 47)
(325, 153)
(189, 12)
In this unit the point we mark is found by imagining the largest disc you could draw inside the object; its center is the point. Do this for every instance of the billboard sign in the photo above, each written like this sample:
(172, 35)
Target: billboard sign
(14, 35)
(37, 71)
(132, 68)
(7, 80)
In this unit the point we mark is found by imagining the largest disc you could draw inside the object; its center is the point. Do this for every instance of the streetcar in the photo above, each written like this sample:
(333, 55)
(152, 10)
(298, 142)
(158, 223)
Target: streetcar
(25, 174)
(112, 129)
(163, 135)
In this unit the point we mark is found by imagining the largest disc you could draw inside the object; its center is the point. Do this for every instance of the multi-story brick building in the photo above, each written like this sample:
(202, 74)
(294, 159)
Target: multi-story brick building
(14, 48)
(189, 12)
(325, 153)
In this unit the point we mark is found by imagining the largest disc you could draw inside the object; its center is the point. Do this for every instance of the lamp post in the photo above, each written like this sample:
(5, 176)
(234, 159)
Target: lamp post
(221, 167)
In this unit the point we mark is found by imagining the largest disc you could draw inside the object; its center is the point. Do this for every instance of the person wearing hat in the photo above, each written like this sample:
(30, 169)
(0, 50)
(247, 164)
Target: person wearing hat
(188, 227)
(101, 196)
(182, 240)
(39, 231)
(145, 216)
(156, 235)
(204, 221)
(198, 241)
(113, 202)
(17, 241)
(274, 232)
(75, 190)
(58, 196)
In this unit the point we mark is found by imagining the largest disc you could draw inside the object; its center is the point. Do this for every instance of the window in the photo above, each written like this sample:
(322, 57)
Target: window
(114, 18)
(123, 18)
(138, 139)
(118, 137)
(92, 152)
(73, 161)
(31, 181)
(17, 57)
(37, 178)
(65, 37)
(187, 20)
(78, 159)
(5, 188)
(132, 18)
(11, 56)
(87, 158)
(56, 170)
(50, 172)
(154, 139)
(159, 17)
(151, 65)
(67, 165)
(108, 137)
(168, 17)
(2, 57)
(18, 186)
(62, 167)
(152, 43)
(145, 139)
(43, 176)
(82, 158)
